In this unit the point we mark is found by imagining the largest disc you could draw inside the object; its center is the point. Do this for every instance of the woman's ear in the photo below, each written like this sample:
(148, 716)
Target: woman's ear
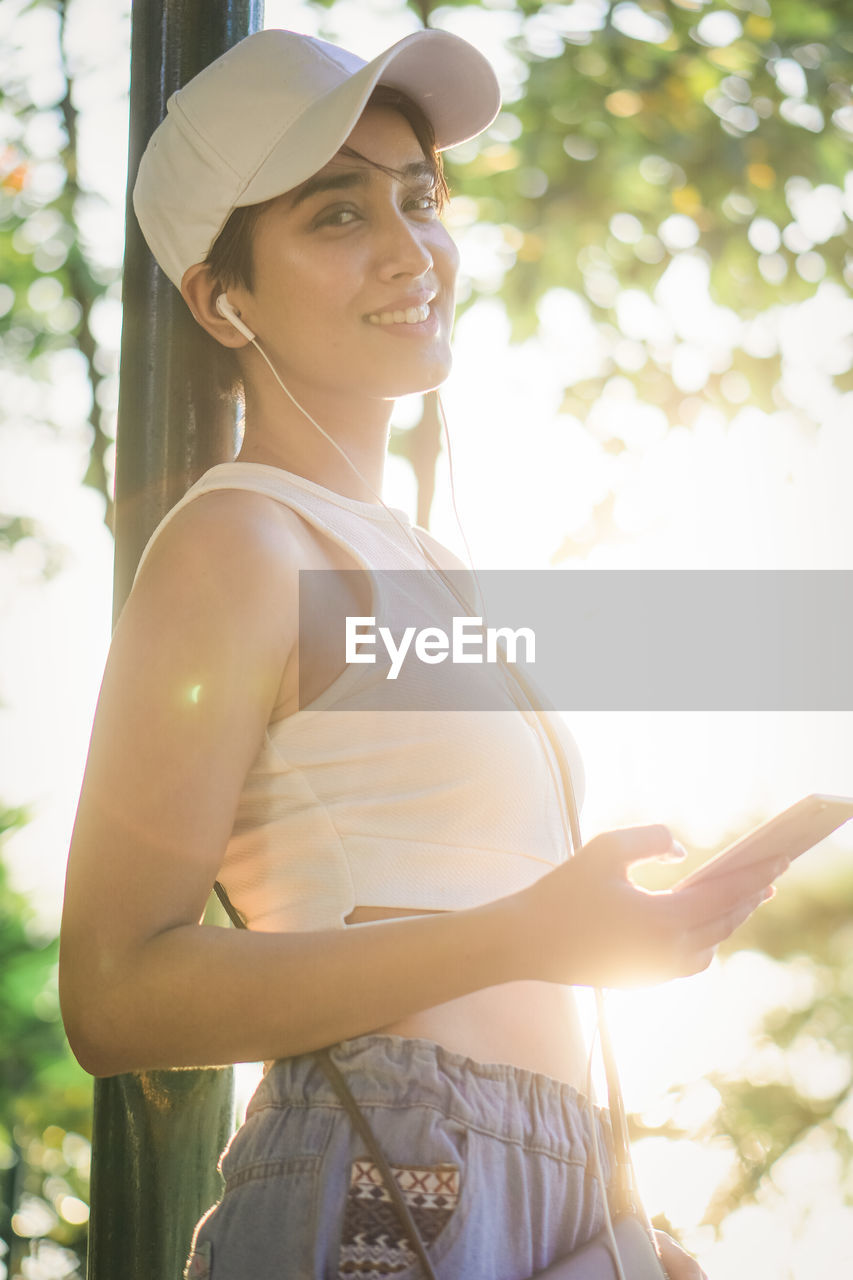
(200, 290)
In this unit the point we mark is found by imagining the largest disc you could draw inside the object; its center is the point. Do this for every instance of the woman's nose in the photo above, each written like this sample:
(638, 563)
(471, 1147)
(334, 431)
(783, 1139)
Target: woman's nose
(405, 249)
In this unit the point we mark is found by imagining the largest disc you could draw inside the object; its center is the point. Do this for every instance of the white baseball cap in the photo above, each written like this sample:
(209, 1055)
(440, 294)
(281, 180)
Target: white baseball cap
(275, 109)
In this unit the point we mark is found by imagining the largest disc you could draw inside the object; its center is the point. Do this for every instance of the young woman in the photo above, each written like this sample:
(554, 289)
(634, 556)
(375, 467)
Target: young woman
(404, 875)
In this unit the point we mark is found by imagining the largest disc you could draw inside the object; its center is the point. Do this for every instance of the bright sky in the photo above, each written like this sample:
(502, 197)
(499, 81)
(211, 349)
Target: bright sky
(755, 491)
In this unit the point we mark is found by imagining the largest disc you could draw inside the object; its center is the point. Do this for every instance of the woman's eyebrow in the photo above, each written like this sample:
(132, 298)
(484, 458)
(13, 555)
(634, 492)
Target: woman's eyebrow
(346, 178)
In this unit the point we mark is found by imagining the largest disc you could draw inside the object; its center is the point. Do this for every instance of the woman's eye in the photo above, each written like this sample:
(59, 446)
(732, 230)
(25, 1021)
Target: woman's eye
(427, 203)
(336, 217)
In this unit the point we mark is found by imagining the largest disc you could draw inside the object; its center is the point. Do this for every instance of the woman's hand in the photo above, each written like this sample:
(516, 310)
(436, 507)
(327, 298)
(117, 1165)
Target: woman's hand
(678, 1264)
(587, 923)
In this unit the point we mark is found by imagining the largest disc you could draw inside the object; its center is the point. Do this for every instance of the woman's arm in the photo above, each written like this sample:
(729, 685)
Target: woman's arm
(194, 670)
(193, 995)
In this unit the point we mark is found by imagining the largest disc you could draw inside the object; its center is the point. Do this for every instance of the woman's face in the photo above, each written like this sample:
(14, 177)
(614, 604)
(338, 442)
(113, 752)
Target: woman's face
(354, 274)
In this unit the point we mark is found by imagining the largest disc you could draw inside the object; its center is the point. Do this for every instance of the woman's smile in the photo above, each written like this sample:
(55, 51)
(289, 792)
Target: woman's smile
(404, 311)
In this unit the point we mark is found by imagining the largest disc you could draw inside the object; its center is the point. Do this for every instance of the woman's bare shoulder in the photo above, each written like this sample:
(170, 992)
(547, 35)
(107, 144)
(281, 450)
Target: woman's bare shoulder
(217, 593)
(226, 528)
(224, 558)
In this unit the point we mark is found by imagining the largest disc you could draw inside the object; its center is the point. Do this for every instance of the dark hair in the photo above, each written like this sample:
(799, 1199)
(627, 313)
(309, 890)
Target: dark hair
(230, 259)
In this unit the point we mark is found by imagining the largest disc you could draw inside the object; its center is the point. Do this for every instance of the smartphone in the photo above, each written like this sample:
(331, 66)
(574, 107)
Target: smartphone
(787, 835)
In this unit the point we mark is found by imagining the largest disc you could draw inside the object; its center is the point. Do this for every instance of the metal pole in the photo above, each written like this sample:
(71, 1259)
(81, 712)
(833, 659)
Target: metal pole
(157, 1135)
(171, 426)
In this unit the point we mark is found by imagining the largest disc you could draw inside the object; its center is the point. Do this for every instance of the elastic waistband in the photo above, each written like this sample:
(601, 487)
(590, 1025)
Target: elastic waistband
(389, 1072)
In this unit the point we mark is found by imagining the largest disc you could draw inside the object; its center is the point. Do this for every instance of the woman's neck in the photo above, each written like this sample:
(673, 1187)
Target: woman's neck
(278, 434)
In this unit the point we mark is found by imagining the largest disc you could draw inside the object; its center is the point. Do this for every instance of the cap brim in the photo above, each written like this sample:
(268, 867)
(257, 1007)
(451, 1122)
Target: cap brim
(452, 83)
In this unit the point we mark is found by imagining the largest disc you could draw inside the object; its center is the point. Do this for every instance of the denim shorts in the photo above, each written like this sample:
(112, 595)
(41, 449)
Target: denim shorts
(495, 1162)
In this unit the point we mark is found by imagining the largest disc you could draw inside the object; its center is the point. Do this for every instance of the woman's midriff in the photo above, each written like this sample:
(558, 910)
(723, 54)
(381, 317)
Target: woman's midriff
(534, 1025)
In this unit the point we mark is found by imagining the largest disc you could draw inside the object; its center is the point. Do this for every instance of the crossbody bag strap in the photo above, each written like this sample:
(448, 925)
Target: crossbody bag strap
(228, 906)
(624, 1194)
(360, 1123)
(362, 1127)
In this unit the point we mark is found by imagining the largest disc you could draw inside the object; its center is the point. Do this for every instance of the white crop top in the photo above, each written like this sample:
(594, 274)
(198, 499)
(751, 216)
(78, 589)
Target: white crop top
(350, 806)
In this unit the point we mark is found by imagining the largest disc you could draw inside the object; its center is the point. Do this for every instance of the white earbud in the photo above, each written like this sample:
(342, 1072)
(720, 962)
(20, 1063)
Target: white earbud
(223, 306)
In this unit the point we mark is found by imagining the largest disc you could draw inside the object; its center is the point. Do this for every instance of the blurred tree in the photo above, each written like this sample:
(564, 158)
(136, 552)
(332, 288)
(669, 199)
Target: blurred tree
(45, 1103)
(642, 137)
(49, 288)
(52, 280)
(642, 131)
(793, 1095)
(803, 1091)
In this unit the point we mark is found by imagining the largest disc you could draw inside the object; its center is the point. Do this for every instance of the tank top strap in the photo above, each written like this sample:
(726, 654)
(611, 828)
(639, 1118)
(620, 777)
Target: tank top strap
(366, 530)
